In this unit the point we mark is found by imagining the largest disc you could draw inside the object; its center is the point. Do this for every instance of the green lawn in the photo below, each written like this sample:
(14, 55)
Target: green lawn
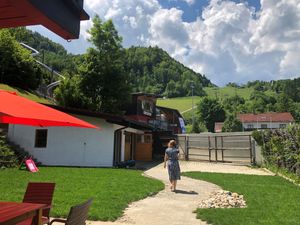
(25, 94)
(112, 189)
(181, 104)
(271, 200)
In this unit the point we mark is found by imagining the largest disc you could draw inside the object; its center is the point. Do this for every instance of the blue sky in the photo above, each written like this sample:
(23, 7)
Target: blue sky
(227, 40)
(192, 11)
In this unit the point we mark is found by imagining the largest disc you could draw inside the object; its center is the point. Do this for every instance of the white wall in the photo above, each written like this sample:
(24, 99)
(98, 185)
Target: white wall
(70, 146)
(271, 125)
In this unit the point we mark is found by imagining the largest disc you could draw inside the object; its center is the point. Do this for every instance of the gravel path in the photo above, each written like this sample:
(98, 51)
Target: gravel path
(170, 208)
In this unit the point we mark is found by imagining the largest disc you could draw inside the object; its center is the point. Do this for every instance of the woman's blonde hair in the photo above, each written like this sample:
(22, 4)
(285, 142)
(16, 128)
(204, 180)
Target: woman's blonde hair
(172, 144)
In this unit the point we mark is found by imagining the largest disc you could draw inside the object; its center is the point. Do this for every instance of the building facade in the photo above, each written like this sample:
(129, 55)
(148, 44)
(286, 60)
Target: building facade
(271, 120)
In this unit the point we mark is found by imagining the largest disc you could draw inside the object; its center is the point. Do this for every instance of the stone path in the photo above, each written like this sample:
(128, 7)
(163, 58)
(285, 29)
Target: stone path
(170, 208)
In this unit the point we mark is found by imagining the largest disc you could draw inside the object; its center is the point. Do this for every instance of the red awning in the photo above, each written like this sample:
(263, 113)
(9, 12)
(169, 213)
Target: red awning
(15, 109)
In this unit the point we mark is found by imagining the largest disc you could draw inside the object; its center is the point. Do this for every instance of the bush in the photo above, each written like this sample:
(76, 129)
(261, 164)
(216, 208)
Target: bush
(8, 158)
(281, 148)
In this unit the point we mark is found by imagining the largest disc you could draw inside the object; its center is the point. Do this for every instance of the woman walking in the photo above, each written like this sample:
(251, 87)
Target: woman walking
(171, 156)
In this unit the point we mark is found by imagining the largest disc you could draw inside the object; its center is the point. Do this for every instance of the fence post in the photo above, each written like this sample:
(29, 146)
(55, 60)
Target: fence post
(251, 155)
(186, 139)
(253, 152)
(222, 149)
(216, 148)
(209, 148)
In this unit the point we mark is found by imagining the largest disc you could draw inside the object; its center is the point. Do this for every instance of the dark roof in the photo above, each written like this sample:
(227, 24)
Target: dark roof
(170, 109)
(266, 117)
(145, 94)
(110, 118)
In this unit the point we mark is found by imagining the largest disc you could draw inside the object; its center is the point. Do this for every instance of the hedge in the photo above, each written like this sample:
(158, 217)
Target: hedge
(281, 147)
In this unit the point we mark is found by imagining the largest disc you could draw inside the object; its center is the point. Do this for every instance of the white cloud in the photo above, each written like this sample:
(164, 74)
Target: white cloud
(229, 42)
(189, 2)
(131, 18)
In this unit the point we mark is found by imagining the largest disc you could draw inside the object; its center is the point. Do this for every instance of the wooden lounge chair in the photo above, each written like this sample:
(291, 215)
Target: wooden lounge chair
(77, 215)
(41, 193)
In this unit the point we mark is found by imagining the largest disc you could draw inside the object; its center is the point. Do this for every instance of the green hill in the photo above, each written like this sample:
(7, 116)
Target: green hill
(152, 70)
(182, 104)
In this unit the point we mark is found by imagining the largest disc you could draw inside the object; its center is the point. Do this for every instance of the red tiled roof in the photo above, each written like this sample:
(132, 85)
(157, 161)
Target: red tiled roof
(266, 117)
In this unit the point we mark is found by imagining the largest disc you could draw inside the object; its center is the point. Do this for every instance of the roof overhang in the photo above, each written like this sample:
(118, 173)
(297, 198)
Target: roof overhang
(60, 16)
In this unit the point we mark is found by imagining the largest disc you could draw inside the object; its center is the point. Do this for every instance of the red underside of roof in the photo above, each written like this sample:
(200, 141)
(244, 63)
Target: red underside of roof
(266, 117)
(18, 110)
(16, 13)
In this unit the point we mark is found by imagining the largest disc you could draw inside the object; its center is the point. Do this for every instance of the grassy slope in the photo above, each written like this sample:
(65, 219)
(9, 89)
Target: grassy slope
(25, 94)
(270, 200)
(111, 189)
(181, 104)
(185, 103)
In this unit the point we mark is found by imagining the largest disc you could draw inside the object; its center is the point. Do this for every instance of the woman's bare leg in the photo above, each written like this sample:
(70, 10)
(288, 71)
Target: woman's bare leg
(174, 184)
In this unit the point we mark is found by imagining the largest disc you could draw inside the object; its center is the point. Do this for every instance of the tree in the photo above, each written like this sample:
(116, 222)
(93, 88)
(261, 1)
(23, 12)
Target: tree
(103, 77)
(232, 124)
(210, 111)
(17, 66)
(232, 103)
(69, 94)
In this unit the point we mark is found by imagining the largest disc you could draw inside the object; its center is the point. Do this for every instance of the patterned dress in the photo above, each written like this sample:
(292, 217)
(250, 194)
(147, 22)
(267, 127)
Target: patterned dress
(173, 165)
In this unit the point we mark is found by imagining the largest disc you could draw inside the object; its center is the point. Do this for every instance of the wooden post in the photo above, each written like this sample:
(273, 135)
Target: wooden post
(186, 152)
(209, 148)
(222, 149)
(253, 152)
(216, 148)
(250, 142)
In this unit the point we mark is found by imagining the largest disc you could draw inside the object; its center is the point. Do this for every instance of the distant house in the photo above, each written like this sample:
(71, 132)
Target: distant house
(270, 120)
(218, 127)
(133, 136)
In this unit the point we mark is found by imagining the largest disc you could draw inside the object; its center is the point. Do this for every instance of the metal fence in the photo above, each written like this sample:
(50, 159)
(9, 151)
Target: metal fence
(223, 147)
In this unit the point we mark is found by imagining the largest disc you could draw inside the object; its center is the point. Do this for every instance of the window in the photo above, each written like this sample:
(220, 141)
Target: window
(127, 137)
(144, 138)
(250, 126)
(148, 138)
(41, 138)
(282, 125)
(264, 126)
(147, 107)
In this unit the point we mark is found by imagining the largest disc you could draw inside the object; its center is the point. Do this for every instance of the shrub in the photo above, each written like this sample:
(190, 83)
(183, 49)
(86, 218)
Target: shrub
(7, 155)
(281, 148)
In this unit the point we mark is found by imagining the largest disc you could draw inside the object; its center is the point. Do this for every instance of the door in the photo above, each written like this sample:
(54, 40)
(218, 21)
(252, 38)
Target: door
(128, 142)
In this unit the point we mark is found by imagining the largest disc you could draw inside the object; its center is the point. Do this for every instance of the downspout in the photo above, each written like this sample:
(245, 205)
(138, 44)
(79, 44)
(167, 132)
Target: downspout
(116, 144)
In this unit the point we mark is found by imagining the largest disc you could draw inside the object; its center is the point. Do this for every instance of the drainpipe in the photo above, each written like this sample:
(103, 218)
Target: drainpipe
(115, 144)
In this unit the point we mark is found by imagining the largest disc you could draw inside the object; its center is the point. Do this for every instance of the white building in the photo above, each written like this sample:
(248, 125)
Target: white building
(116, 141)
(270, 120)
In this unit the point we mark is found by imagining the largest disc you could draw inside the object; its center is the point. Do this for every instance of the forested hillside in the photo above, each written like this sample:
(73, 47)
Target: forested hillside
(152, 70)
(149, 70)
(51, 53)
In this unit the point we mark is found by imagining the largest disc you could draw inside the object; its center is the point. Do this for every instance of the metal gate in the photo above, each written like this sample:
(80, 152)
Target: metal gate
(225, 147)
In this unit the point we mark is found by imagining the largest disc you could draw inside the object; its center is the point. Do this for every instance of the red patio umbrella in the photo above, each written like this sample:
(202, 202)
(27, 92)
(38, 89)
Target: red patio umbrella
(15, 109)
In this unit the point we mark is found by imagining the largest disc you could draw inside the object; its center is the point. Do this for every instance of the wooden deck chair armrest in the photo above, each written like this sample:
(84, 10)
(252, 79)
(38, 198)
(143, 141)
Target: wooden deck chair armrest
(58, 220)
(47, 207)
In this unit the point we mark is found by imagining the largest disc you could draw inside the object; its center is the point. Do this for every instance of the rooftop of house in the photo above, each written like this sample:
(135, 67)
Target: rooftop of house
(266, 117)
